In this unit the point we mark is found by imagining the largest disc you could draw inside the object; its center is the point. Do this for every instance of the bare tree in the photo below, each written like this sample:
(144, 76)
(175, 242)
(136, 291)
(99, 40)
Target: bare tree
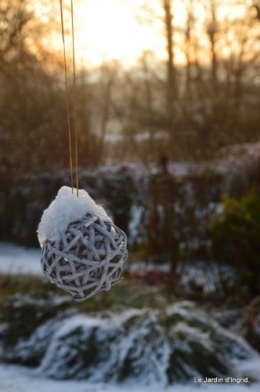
(32, 98)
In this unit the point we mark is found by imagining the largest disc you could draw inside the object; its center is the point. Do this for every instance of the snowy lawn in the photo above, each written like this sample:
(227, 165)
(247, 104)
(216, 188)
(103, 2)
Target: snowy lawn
(21, 379)
(16, 259)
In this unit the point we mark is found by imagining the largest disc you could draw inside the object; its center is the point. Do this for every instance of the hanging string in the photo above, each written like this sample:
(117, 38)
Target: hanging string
(67, 95)
(74, 98)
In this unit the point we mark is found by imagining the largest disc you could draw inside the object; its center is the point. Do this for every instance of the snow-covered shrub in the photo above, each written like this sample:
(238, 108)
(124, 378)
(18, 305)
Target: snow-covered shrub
(144, 346)
(20, 316)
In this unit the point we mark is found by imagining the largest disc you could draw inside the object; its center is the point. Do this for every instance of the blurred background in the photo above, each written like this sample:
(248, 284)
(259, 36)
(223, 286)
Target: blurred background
(168, 109)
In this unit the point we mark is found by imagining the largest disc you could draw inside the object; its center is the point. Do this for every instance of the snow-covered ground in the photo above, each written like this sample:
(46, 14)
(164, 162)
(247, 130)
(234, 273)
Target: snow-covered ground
(16, 259)
(19, 260)
(20, 379)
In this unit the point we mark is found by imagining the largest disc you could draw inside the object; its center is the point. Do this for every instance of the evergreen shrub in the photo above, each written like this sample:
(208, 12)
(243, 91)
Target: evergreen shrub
(235, 235)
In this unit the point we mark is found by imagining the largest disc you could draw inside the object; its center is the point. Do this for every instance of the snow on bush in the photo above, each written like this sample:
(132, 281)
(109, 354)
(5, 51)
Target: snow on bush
(146, 346)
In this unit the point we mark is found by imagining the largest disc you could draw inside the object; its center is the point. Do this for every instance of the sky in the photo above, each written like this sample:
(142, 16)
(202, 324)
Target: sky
(109, 29)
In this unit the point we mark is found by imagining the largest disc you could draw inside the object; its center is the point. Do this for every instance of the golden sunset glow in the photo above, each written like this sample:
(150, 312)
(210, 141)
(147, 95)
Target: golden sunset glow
(108, 29)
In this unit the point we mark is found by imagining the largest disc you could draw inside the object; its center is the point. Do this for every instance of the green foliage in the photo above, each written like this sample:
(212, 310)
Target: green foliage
(235, 235)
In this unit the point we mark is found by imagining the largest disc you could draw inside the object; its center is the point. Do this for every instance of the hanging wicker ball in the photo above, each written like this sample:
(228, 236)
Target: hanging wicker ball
(87, 257)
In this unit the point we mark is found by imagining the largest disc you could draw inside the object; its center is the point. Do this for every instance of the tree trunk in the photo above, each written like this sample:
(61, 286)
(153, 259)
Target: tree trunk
(171, 71)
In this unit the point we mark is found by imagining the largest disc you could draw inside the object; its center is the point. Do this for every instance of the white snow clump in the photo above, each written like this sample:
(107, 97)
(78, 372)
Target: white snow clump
(65, 209)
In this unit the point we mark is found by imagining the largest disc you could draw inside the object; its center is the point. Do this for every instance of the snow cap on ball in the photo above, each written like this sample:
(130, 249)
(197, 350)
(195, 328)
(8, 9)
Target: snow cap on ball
(65, 209)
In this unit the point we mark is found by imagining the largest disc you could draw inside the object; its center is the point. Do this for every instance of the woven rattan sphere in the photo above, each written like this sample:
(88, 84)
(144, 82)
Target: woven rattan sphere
(86, 258)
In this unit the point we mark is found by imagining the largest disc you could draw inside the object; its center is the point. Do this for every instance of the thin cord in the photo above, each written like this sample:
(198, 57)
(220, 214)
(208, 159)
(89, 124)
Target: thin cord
(75, 99)
(67, 95)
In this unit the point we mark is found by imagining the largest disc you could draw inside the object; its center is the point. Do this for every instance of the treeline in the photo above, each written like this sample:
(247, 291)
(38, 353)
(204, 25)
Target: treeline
(212, 99)
(185, 112)
(32, 101)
